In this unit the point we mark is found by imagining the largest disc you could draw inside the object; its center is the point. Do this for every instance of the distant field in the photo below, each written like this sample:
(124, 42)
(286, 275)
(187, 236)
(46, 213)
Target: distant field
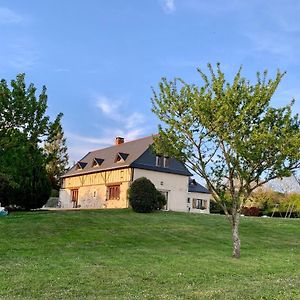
(118, 254)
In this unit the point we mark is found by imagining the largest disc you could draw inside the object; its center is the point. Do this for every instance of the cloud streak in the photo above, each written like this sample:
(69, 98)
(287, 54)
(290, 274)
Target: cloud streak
(169, 6)
(108, 107)
(278, 44)
(8, 16)
(111, 108)
(23, 56)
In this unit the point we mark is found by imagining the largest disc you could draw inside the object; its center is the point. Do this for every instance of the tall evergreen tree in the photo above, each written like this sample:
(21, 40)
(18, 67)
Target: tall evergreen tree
(56, 149)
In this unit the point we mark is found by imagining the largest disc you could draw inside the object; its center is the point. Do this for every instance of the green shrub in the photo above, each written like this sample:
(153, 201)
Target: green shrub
(215, 208)
(143, 196)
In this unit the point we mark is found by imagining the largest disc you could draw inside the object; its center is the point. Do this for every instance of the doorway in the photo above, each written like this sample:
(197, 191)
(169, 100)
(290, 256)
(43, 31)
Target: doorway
(166, 195)
(74, 198)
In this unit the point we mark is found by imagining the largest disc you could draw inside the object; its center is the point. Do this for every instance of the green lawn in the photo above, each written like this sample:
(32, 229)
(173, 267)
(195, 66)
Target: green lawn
(118, 254)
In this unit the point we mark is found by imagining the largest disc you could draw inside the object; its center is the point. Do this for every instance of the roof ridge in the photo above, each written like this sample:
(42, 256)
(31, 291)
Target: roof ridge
(145, 137)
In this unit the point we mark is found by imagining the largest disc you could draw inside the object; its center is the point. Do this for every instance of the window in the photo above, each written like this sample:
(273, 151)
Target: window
(97, 162)
(199, 204)
(121, 157)
(166, 162)
(113, 192)
(188, 200)
(162, 161)
(159, 160)
(80, 165)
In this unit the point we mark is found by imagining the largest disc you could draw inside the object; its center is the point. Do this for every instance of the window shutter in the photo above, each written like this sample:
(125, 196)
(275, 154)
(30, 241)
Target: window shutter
(194, 203)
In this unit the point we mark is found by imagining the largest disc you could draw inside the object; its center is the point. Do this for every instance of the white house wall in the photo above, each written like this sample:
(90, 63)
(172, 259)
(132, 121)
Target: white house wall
(175, 185)
(64, 198)
(198, 196)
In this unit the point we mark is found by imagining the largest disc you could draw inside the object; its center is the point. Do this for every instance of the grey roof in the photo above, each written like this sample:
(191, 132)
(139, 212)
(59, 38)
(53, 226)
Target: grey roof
(147, 161)
(195, 187)
(135, 154)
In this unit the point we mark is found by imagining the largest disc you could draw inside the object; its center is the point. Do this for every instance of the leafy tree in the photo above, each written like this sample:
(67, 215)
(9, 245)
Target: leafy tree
(229, 134)
(266, 199)
(143, 196)
(291, 204)
(24, 126)
(6, 186)
(57, 152)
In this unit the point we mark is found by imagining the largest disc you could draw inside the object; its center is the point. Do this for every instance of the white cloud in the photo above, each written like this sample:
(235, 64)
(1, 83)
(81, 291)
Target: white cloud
(128, 125)
(133, 120)
(169, 6)
(111, 108)
(8, 16)
(134, 134)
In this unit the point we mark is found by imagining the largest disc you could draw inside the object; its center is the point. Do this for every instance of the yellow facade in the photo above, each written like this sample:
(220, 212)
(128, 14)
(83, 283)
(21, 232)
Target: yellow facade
(93, 189)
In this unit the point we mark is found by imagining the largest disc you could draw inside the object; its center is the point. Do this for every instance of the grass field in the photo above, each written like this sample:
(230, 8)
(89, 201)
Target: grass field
(118, 254)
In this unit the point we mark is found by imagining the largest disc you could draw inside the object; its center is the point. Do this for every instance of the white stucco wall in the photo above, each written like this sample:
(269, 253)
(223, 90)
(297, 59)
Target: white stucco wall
(175, 185)
(65, 198)
(198, 196)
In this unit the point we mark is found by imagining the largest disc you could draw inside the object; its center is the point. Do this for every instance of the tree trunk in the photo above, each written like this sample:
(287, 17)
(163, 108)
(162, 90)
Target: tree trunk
(235, 220)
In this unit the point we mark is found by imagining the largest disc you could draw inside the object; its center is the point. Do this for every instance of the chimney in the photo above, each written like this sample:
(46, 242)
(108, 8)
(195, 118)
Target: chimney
(119, 140)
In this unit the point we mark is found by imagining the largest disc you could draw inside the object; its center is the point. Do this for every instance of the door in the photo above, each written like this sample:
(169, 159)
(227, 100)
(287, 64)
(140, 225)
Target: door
(74, 198)
(166, 195)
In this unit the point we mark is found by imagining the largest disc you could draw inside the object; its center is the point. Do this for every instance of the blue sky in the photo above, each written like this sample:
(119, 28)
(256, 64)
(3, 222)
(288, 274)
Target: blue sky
(99, 59)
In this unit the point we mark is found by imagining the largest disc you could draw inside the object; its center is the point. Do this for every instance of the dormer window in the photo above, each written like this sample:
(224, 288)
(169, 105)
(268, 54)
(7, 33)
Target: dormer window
(80, 165)
(97, 162)
(159, 161)
(121, 157)
(162, 161)
(166, 162)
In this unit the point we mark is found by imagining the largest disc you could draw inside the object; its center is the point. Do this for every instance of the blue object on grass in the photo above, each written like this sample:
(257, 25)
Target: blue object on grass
(3, 212)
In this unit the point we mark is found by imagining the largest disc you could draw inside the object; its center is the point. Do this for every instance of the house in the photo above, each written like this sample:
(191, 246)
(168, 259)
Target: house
(198, 197)
(102, 177)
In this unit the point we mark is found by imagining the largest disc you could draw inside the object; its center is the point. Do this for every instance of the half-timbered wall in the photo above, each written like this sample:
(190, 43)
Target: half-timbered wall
(93, 189)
